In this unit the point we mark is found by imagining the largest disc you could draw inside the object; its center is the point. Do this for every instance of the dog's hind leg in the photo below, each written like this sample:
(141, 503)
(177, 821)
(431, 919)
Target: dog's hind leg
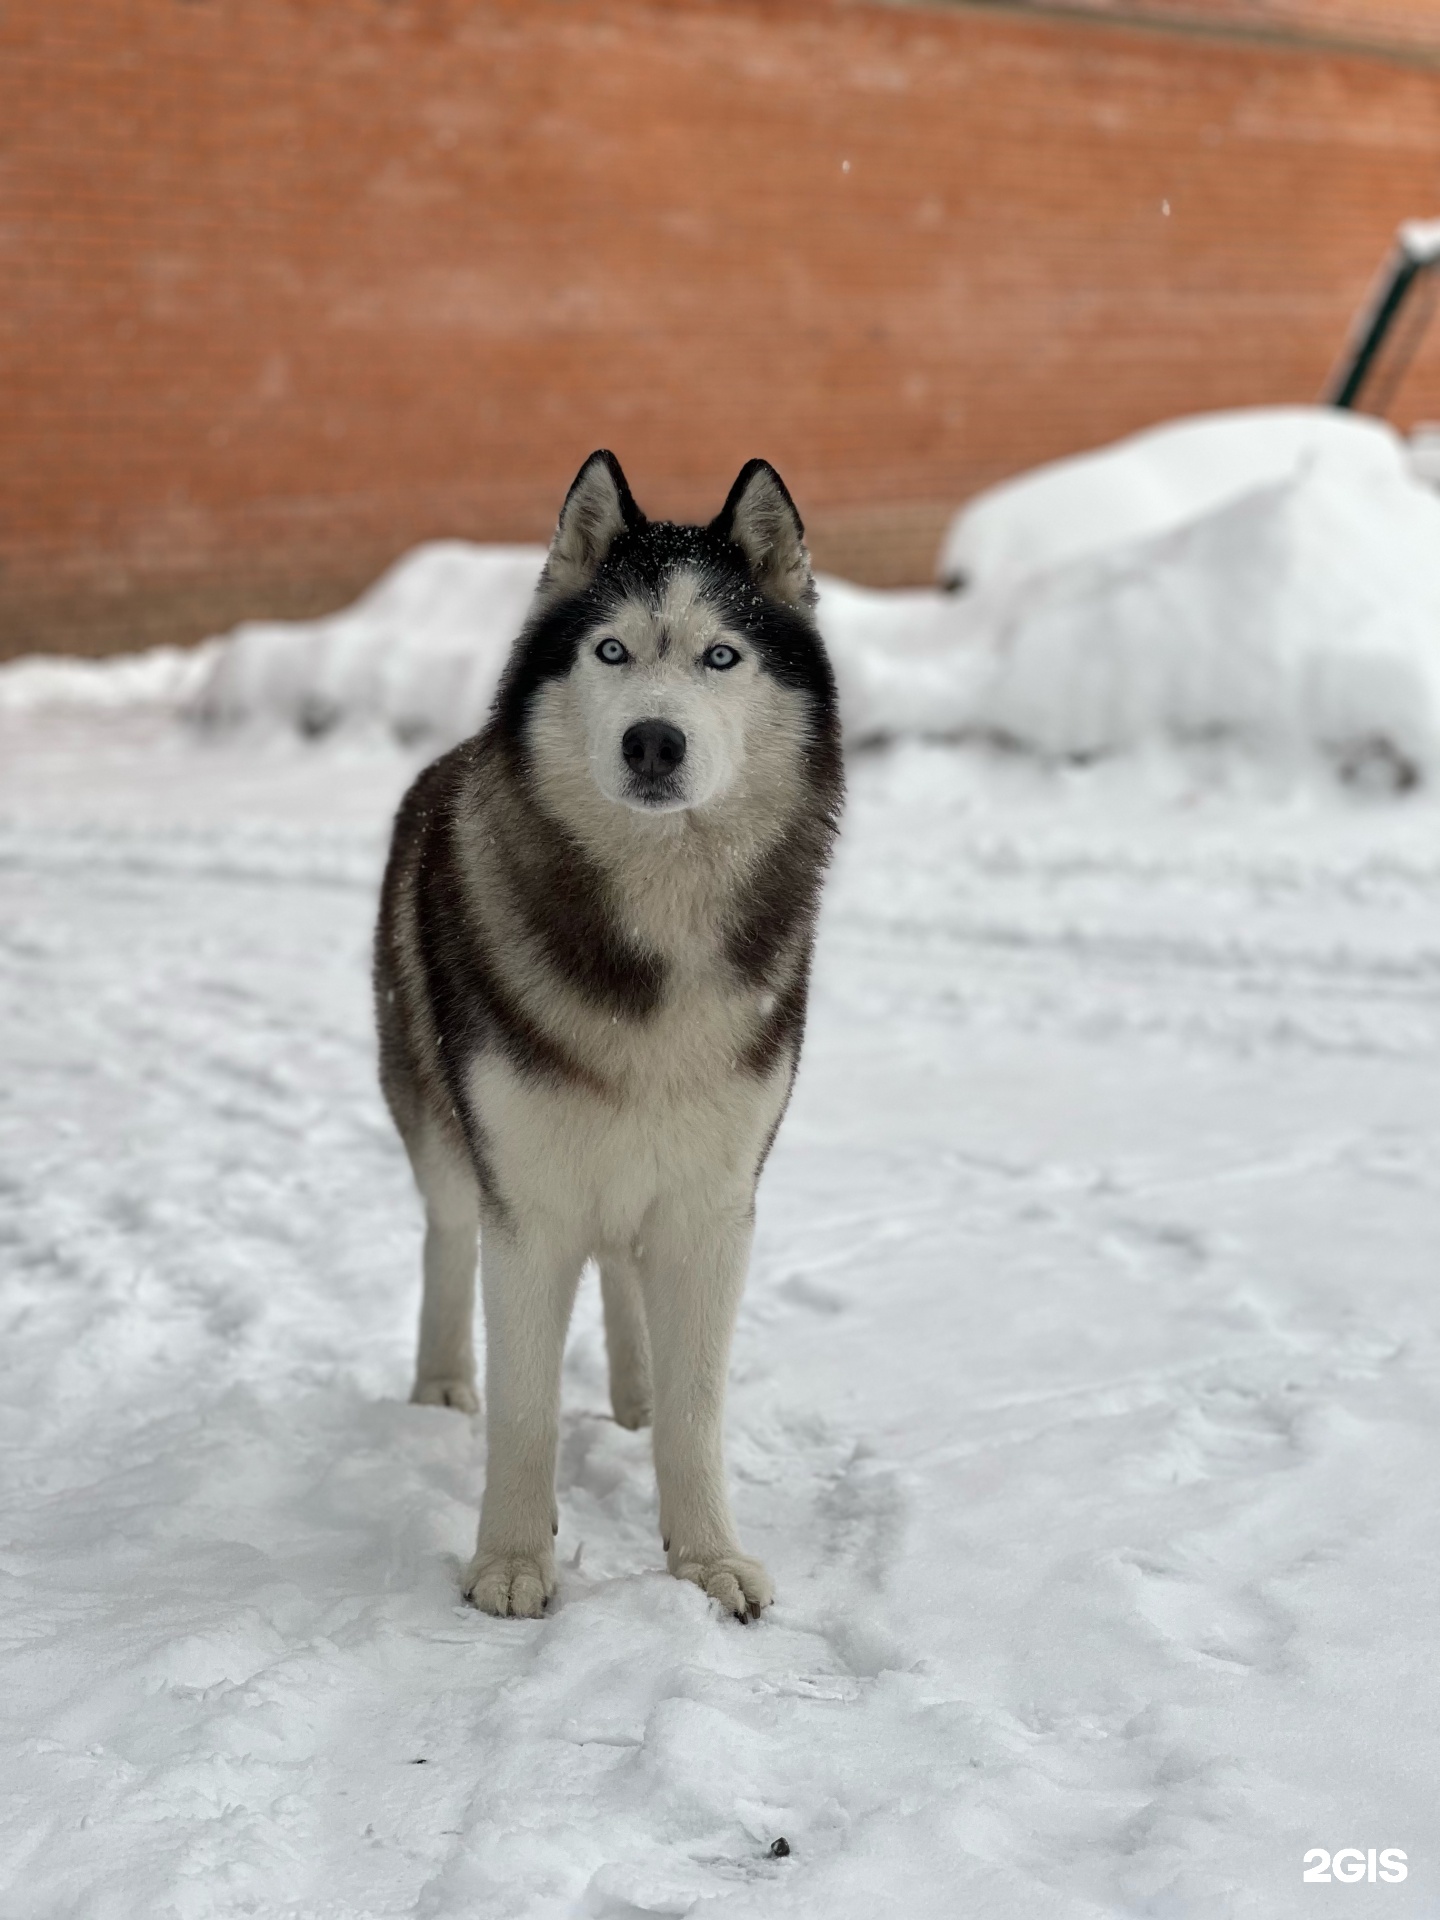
(445, 1364)
(693, 1273)
(528, 1273)
(627, 1340)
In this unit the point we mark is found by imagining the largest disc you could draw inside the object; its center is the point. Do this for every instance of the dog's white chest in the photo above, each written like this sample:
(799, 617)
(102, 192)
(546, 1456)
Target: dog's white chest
(687, 1116)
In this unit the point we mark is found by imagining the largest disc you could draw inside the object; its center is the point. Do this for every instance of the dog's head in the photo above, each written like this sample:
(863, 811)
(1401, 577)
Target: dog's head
(671, 666)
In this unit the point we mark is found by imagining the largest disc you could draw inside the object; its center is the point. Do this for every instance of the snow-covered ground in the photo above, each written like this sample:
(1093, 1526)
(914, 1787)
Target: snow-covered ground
(1086, 1397)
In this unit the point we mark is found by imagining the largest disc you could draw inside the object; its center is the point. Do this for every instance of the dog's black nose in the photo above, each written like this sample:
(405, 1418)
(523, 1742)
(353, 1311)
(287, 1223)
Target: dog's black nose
(653, 748)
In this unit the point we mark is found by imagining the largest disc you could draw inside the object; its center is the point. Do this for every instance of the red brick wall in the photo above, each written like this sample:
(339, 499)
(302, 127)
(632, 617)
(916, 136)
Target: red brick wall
(294, 283)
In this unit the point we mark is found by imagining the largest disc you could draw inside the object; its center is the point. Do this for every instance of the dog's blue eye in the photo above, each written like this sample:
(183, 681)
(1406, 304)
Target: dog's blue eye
(612, 653)
(721, 657)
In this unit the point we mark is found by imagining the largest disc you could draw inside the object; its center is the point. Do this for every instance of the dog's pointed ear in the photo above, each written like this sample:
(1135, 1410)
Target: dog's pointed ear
(598, 508)
(760, 518)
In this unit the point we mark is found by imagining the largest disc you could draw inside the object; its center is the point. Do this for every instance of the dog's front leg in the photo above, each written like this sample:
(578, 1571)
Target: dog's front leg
(693, 1273)
(528, 1283)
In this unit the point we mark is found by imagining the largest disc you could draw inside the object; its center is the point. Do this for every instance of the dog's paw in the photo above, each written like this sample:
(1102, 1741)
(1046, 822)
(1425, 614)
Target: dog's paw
(514, 1585)
(457, 1393)
(740, 1584)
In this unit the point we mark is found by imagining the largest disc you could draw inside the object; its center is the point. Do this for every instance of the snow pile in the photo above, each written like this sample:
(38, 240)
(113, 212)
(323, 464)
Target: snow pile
(421, 649)
(1270, 578)
(164, 678)
(1155, 482)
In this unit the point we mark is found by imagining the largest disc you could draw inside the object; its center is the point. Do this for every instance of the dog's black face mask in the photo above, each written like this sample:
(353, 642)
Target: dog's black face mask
(687, 650)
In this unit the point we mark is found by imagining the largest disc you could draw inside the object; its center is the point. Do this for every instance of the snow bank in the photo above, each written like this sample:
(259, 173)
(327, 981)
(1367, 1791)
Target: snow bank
(1300, 610)
(1155, 482)
(1270, 578)
(163, 678)
(421, 649)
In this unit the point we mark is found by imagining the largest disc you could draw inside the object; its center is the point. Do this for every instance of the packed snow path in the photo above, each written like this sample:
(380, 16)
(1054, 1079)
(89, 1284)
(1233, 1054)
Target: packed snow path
(1085, 1399)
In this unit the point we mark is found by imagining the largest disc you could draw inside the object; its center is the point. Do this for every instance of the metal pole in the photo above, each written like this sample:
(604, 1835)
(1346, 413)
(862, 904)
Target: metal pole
(1355, 369)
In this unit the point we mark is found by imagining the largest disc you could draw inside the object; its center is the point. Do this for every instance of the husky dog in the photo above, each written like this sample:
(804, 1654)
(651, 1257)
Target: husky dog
(591, 971)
